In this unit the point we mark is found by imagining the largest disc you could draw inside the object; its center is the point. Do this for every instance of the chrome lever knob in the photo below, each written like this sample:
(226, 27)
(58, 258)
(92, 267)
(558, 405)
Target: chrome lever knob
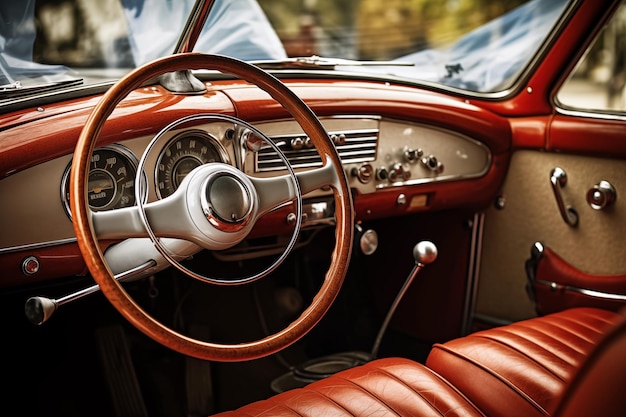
(425, 252)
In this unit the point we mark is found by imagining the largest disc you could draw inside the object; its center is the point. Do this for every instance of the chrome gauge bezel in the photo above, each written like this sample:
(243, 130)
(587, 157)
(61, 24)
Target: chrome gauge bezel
(129, 159)
(209, 140)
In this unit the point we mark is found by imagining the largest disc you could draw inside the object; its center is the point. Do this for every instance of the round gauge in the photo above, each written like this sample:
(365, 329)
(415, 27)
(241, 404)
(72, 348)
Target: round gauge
(182, 154)
(111, 181)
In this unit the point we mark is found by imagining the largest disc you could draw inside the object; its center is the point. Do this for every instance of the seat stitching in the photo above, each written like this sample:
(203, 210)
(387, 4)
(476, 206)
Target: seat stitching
(369, 393)
(587, 324)
(497, 376)
(574, 332)
(455, 389)
(531, 359)
(267, 409)
(573, 347)
(527, 336)
(419, 394)
(324, 396)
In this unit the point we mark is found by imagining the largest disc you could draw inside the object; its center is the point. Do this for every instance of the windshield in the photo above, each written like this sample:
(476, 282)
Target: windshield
(475, 45)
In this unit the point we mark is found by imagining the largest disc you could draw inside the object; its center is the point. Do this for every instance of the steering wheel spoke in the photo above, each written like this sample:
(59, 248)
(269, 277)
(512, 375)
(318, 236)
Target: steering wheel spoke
(276, 191)
(165, 221)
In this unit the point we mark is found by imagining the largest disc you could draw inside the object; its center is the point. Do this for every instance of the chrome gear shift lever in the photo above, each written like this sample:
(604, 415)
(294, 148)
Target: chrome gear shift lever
(425, 253)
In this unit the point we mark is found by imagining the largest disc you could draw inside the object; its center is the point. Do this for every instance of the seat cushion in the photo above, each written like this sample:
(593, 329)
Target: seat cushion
(517, 370)
(521, 369)
(390, 386)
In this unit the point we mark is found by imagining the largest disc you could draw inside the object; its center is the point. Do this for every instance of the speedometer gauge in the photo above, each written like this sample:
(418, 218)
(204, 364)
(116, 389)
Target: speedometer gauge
(111, 181)
(182, 154)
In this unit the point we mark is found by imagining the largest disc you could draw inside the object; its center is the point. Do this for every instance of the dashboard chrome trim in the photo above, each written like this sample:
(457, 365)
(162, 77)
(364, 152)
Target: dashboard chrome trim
(39, 245)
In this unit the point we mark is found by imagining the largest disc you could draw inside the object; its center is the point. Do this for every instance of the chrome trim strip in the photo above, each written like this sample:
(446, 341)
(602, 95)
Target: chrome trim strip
(591, 114)
(473, 272)
(346, 132)
(428, 180)
(40, 245)
(584, 291)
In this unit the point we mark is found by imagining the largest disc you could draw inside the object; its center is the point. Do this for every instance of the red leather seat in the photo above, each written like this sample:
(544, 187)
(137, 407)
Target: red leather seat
(521, 369)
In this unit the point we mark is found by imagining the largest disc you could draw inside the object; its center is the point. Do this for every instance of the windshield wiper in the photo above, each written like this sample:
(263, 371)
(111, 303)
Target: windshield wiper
(316, 62)
(16, 89)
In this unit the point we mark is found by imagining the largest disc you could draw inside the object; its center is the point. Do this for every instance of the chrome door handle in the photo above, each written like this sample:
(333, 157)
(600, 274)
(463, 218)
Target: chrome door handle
(558, 179)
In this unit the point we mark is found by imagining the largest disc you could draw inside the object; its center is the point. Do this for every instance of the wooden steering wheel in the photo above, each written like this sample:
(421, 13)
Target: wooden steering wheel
(88, 227)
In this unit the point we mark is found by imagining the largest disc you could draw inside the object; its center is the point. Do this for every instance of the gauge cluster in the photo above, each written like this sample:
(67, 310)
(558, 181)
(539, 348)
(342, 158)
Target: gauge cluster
(113, 170)
(183, 153)
(111, 181)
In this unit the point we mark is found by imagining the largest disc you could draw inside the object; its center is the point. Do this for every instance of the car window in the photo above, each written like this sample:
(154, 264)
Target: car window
(477, 46)
(598, 84)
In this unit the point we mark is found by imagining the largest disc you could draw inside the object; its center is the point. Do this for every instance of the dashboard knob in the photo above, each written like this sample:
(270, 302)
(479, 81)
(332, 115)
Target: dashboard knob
(430, 162)
(399, 173)
(368, 240)
(412, 155)
(364, 173)
(297, 143)
(339, 139)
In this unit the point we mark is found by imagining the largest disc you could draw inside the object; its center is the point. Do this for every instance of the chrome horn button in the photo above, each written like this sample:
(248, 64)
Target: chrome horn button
(226, 202)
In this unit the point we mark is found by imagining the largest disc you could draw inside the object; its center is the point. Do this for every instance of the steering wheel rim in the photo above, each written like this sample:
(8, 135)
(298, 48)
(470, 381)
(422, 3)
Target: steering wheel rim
(94, 258)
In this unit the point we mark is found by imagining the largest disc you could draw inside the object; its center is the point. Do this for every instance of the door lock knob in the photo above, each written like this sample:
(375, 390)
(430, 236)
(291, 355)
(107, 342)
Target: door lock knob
(601, 195)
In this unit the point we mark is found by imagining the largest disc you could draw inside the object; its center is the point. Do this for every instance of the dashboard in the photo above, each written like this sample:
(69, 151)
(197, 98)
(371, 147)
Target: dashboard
(395, 166)
(377, 154)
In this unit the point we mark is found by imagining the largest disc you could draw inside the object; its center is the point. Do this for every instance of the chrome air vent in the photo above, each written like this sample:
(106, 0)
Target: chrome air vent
(353, 146)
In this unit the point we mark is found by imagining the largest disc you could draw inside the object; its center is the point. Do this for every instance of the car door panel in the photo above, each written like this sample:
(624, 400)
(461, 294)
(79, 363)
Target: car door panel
(527, 212)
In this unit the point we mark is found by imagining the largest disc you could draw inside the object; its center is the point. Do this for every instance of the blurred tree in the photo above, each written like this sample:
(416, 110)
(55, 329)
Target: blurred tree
(375, 29)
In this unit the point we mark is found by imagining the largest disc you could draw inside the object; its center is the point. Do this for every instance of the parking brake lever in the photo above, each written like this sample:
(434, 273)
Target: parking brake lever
(425, 253)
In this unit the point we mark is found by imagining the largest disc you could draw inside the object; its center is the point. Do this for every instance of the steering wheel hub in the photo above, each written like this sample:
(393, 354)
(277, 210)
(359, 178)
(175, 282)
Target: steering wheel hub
(226, 202)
